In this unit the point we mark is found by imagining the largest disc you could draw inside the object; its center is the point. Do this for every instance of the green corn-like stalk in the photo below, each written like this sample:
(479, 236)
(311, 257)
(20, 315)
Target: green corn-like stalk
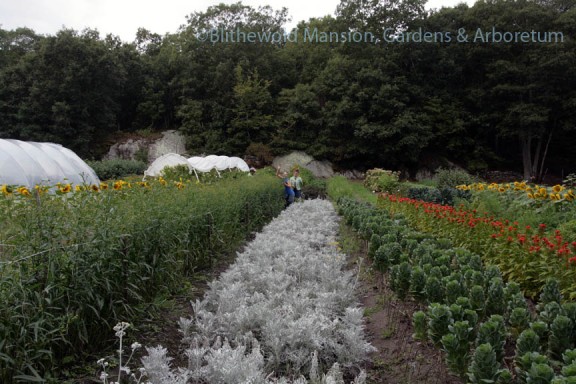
(511, 289)
(484, 367)
(375, 243)
(403, 274)
(477, 299)
(436, 272)
(528, 342)
(453, 291)
(439, 318)
(540, 374)
(457, 312)
(541, 329)
(550, 311)
(550, 293)
(525, 362)
(456, 344)
(464, 302)
(491, 272)
(495, 302)
(561, 336)
(493, 332)
(419, 323)
(569, 371)
(418, 283)
(434, 290)
(516, 300)
(569, 356)
(519, 320)
(569, 309)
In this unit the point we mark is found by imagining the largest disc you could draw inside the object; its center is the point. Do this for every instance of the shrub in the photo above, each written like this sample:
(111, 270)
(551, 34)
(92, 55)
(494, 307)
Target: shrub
(262, 152)
(117, 168)
(176, 173)
(380, 180)
(451, 178)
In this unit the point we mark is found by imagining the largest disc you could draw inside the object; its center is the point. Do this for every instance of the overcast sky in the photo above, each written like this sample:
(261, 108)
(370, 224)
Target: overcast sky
(124, 17)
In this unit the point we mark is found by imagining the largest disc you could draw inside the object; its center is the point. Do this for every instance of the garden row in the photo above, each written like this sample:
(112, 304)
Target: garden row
(487, 329)
(72, 265)
(526, 255)
(284, 312)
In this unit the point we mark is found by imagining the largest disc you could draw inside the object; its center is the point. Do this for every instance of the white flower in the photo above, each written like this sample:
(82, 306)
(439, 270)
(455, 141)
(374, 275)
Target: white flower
(135, 346)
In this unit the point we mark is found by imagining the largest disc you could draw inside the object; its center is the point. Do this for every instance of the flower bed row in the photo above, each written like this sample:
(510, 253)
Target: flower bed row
(524, 254)
(470, 312)
(534, 192)
(72, 267)
(284, 312)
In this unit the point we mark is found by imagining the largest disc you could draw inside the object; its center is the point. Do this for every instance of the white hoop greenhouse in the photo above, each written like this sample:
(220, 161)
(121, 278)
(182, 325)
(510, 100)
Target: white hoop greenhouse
(196, 164)
(26, 163)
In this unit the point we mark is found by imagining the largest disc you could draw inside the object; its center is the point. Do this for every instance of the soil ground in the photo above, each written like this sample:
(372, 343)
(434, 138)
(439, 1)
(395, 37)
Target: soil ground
(399, 358)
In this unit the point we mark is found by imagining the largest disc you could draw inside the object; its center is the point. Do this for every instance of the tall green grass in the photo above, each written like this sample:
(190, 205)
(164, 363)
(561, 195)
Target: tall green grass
(73, 266)
(339, 186)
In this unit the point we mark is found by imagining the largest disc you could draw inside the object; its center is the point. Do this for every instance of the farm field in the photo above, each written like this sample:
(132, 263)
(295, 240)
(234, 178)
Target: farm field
(295, 302)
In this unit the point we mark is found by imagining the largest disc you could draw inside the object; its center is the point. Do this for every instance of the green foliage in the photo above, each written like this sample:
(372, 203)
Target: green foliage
(262, 153)
(117, 168)
(561, 336)
(439, 319)
(339, 186)
(451, 178)
(456, 344)
(176, 173)
(418, 283)
(542, 330)
(477, 299)
(528, 341)
(495, 301)
(380, 180)
(484, 367)
(550, 293)
(402, 280)
(540, 374)
(519, 321)
(550, 311)
(434, 289)
(453, 291)
(81, 263)
(493, 332)
(387, 255)
(525, 362)
(419, 324)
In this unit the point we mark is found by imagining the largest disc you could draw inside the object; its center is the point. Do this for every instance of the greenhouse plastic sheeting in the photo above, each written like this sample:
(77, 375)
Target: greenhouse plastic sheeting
(29, 164)
(167, 160)
(220, 163)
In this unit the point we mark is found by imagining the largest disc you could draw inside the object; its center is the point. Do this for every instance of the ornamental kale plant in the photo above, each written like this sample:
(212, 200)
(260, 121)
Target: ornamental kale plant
(284, 308)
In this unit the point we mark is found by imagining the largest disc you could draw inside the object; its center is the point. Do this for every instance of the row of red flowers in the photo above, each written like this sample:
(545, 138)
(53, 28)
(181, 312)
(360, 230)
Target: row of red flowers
(531, 239)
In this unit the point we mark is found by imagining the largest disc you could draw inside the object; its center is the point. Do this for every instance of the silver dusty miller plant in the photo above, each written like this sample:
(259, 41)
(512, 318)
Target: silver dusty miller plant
(284, 310)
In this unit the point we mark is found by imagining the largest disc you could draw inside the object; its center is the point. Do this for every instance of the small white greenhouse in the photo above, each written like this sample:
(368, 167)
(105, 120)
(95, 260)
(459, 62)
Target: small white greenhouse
(167, 160)
(220, 163)
(26, 163)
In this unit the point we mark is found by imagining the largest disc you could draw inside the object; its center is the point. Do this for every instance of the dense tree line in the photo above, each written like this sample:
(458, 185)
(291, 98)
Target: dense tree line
(398, 105)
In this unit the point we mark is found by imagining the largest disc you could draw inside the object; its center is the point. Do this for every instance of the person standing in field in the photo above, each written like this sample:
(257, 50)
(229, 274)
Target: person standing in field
(296, 183)
(288, 191)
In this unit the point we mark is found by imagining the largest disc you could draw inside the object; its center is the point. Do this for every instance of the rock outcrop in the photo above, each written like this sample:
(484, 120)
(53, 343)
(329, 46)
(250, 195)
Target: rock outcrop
(148, 149)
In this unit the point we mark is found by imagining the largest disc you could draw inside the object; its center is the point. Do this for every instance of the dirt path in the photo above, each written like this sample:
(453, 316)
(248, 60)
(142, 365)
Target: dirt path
(400, 359)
